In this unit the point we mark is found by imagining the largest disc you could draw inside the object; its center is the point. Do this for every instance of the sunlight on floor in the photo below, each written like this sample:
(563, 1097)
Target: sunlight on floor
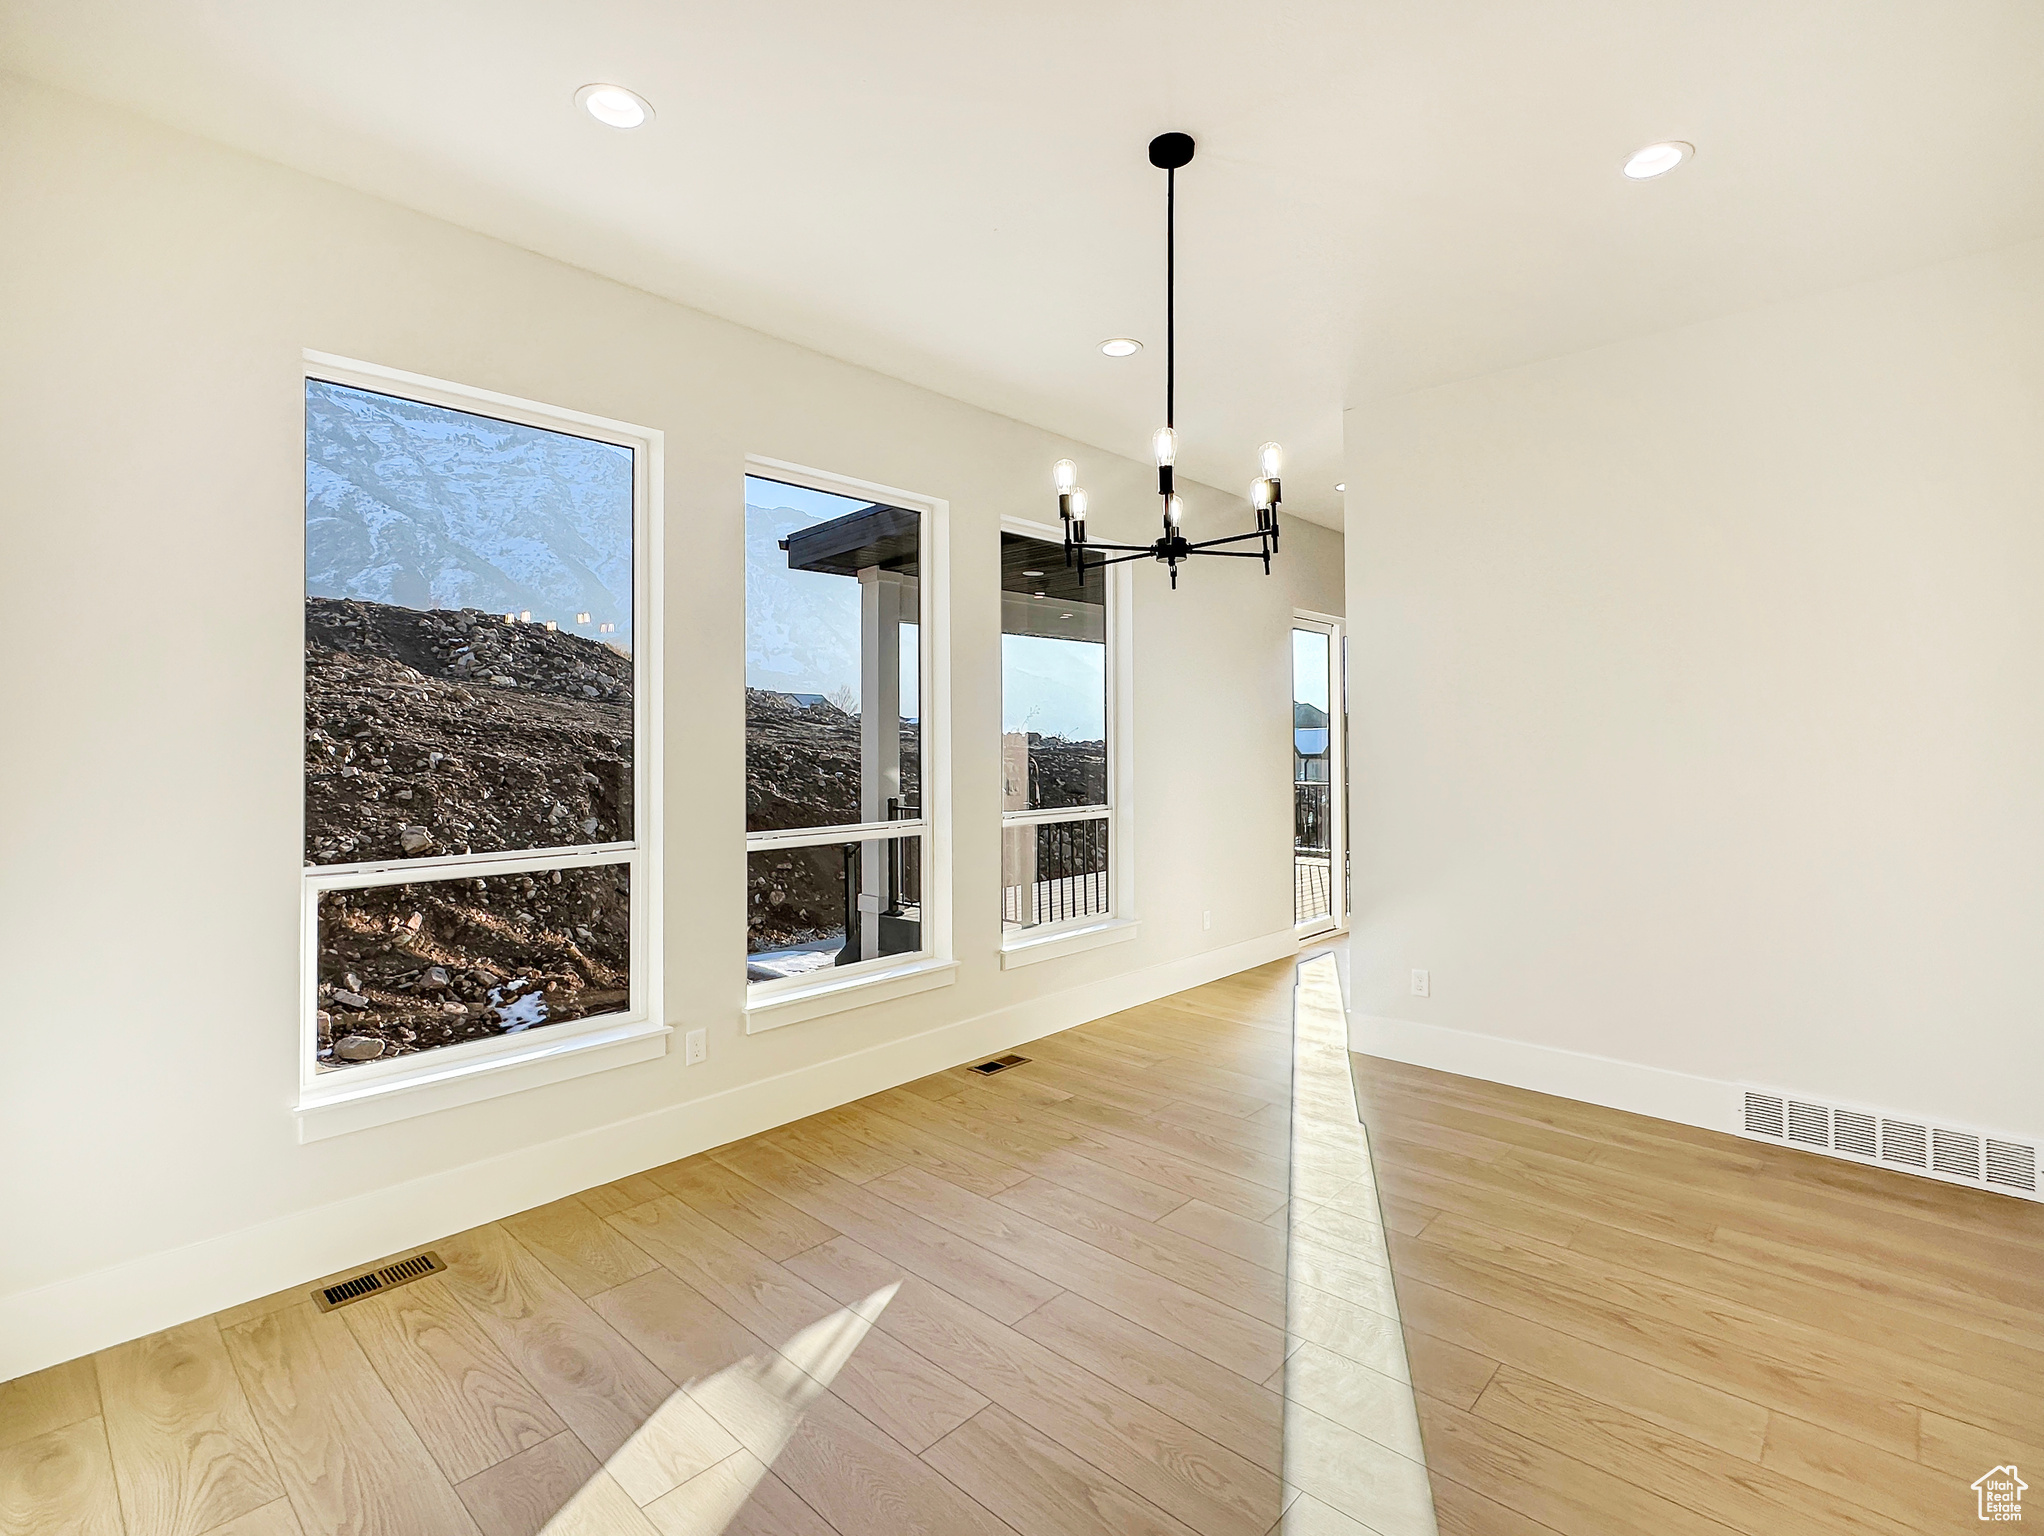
(757, 1401)
(1352, 1455)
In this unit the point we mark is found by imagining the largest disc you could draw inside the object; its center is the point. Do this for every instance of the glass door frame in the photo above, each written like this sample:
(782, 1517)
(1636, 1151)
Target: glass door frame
(1332, 627)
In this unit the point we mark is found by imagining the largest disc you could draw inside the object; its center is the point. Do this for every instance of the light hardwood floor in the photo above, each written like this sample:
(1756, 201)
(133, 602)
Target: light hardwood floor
(1043, 1302)
(1054, 1302)
(1620, 1325)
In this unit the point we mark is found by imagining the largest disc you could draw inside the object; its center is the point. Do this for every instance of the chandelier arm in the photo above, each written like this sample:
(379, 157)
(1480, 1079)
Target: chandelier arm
(1233, 538)
(1226, 554)
(1100, 544)
(1141, 553)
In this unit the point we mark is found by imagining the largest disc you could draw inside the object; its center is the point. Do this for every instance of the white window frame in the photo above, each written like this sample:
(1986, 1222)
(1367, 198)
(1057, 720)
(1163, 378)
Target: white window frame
(1074, 935)
(1333, 626)
(794, 999)
(373, 1093)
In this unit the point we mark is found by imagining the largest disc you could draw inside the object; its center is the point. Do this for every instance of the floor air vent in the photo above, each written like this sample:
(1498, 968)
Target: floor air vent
(999, 1064)
(1953, 1154)
(376, 1281)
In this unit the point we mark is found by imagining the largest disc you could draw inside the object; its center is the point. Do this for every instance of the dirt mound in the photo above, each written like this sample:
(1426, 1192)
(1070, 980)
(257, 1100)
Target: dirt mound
(801, 765)
(802, 769)
(406, 968)
(454, 732)
(1065, 772)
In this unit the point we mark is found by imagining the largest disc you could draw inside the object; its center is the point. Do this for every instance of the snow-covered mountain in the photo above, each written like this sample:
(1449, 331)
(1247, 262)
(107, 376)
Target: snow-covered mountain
(432, 508)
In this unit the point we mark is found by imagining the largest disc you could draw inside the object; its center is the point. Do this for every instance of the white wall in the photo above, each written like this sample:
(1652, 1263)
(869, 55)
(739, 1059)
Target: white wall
(1698, 704)
(160, 290)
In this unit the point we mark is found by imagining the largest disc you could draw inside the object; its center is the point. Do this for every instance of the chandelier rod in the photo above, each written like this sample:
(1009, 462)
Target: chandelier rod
(1171, 296)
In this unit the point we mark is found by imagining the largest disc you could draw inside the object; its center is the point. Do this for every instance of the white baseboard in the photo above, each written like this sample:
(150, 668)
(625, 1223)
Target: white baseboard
(1706, 1102)
(74, 1317)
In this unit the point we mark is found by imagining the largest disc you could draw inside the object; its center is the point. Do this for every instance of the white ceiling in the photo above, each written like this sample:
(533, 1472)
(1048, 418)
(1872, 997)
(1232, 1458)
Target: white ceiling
(954, 192)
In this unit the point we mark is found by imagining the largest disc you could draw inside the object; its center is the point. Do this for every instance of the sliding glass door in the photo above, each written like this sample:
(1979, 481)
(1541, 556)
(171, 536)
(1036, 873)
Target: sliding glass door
(1319, 863)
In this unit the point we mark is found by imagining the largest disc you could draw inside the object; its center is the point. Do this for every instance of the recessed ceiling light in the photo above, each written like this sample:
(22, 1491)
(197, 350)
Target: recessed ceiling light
(614, 106)
(1121, 346)
(1342, 486)
(1657, 159)
(1032, 573)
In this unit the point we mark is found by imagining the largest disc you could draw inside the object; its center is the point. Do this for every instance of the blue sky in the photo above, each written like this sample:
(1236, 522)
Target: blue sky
(1054, 687)
(1309, 667)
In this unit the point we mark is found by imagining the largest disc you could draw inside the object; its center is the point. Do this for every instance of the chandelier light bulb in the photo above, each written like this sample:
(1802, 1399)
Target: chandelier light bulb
(1165, 446)
(1259, 494)
(1271, 460)
(1078, 504)
(1064, 474)
(1173, 509)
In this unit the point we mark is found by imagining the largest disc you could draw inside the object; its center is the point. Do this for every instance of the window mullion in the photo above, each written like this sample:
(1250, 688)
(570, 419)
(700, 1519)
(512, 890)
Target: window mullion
(822, 837)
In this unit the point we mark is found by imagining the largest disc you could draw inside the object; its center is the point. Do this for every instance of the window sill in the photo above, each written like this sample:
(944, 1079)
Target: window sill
(335, 1111)
(839, 994)
(1068, 941)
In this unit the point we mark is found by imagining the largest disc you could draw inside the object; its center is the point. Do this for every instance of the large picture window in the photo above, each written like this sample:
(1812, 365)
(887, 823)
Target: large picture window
(1056, 764)
(836, 818)
(475, 724)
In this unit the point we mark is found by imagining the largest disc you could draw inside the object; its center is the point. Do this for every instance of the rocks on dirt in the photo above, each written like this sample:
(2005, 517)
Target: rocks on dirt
(358, 1048)
(488, 955)
(400, 743)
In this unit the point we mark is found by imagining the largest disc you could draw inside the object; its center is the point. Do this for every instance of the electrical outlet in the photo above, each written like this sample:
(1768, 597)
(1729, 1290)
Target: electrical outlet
(1207, 921)
(695, 1045)
(1419, 984)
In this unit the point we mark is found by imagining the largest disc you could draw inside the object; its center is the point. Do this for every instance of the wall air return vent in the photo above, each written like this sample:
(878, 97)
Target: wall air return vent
(1953, 1154)
(2012, 1165)
(1763, 1114)
(1852, 1130)
(1809, 1124)
(1905, 1142)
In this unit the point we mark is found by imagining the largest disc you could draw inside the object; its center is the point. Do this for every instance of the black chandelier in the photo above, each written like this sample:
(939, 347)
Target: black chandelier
(1168, 151)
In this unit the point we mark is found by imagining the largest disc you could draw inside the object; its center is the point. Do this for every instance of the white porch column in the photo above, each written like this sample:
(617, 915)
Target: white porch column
(884, 598)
